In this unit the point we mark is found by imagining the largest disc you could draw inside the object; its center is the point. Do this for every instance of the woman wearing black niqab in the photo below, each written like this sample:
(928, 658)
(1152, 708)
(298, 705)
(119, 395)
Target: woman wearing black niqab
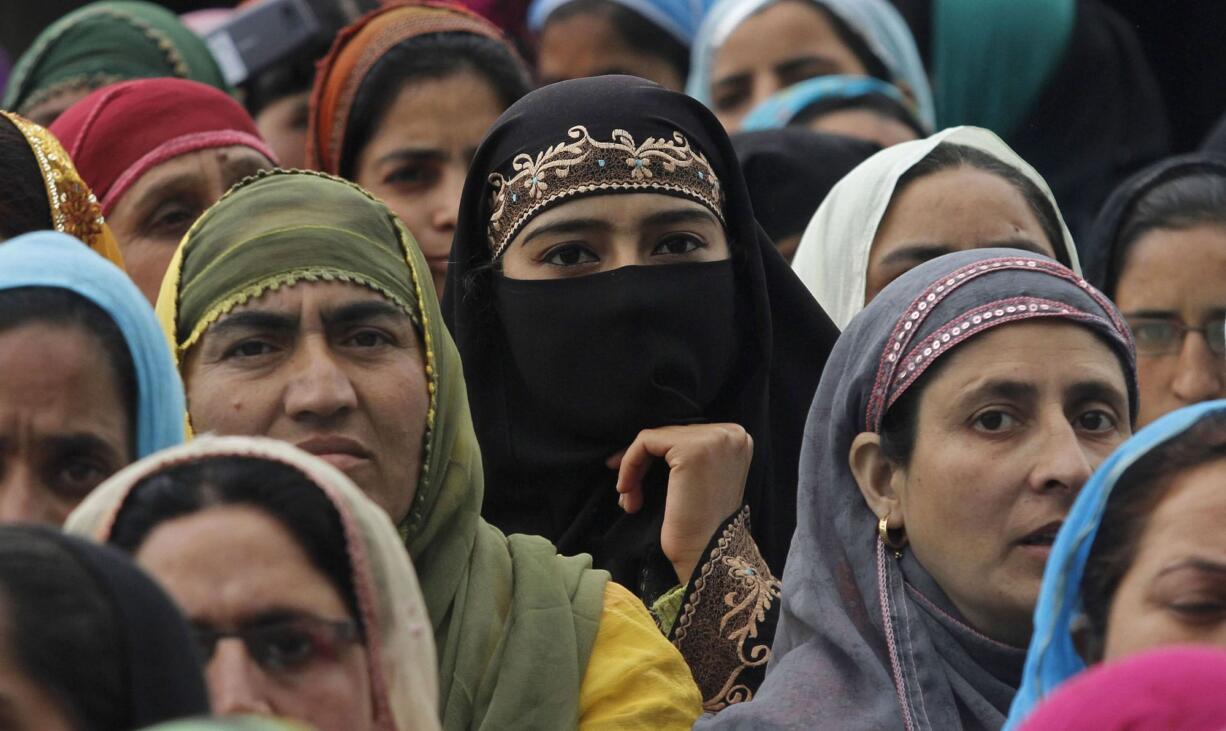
(564, 373)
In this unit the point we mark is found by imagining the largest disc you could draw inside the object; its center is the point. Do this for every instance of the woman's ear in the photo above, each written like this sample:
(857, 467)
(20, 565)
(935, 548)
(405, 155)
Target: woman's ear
(879, 478)
(1087, 642)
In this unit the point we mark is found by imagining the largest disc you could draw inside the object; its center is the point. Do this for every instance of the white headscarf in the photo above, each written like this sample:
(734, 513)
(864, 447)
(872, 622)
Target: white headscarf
(832, 259)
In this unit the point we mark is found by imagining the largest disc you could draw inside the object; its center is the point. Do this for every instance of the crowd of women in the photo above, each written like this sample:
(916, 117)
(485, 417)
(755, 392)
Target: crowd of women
(610, 364)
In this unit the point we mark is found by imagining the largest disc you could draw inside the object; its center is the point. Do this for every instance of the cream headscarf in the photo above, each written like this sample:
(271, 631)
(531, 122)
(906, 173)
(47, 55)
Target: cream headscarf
(399, 642)
(832, 259)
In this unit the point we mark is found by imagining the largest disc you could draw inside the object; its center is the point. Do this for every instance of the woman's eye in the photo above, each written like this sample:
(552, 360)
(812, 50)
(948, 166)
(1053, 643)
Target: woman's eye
(1096, 421)
(568, 255)
(172, 220)
(76, 476)
(995, 421)
(1198, 609)
(249, 349)
(369, 339)
(730, 98)
(679, 245)
(409, 175)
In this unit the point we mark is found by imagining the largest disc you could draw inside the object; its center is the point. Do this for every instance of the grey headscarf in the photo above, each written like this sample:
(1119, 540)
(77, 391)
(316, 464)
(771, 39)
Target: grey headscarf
(866, 641)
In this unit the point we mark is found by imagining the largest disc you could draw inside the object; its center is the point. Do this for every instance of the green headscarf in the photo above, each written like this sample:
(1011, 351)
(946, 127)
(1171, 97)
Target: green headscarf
(992, 58)
(106, 42)
(513, 621)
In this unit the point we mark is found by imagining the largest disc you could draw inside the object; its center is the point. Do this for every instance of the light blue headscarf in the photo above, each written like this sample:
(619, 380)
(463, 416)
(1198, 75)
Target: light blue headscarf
(876, 21)
(781, 109)
(679, 17)
(1052, 658)
(50, 259)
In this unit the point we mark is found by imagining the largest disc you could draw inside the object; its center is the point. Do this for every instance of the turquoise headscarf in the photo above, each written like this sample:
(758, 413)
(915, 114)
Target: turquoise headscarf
(1052, 658)
(876, 21)
(992, 58)
(781, 109)
(679, 17)
(50, 259)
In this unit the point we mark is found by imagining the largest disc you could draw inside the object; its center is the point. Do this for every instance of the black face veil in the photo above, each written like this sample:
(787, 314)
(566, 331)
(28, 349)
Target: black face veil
(563, 373)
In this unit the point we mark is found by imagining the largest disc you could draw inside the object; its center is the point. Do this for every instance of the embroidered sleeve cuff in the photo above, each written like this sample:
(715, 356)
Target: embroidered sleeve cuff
(728, 617)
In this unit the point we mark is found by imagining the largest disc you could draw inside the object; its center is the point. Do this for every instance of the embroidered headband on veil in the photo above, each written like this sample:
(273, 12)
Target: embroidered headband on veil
(581, 165)
(867, 635)
(399, 645)
(74, 208)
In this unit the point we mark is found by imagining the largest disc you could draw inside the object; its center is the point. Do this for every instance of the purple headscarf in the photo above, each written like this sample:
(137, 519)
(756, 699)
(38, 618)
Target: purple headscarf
(856, 624)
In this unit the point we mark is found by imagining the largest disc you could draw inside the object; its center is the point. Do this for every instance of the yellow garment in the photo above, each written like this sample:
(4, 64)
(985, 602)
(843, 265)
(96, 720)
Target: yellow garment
(74, 209)
(635, 678)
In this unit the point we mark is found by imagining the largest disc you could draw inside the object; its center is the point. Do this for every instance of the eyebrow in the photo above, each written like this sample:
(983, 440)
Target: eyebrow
(74, 442)
(364, 311)
(1197, 564)
(411, 154)
(1005, 389)
(245, 165)
(261, 320)
(925, 251)
(799, 63)
(680, 216)
(568, 226)
(1098, 390)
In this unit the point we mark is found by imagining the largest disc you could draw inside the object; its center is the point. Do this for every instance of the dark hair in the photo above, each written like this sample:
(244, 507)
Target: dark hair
(900, 425)
(949, 155)
(281, 491)
(23, 194)
(61, 307)
(61, 629)
(296, 74)
(874, 102)
(639, 33)
(1137, 494)
(1182, 203)
(430, 56)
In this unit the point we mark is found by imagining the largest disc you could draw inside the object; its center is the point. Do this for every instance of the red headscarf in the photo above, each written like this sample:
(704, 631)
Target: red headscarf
(1171, 688)
(119, 132)
(355, 51)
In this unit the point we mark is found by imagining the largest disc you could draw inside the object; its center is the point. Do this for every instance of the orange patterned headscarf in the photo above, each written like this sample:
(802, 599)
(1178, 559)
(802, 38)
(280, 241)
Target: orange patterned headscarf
(74, 209)
(356, 50)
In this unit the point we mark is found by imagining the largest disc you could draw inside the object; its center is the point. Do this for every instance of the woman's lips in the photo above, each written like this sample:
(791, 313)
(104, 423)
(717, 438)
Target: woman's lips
(1040, 540)
(342, 453)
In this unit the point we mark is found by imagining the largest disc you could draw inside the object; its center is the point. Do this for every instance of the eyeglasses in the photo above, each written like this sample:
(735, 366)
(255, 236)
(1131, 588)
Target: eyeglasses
(1161, 336)
(284, 645)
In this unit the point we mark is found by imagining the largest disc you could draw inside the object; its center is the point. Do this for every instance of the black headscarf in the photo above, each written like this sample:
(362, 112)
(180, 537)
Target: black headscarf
(790, 170)
(162, 679)
(1100, 118)
(736, 341)
(1102, 256)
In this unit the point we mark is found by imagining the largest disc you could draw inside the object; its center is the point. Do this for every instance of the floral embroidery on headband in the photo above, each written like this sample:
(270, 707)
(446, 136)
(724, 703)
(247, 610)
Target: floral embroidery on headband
(584, 165)
(74, 209)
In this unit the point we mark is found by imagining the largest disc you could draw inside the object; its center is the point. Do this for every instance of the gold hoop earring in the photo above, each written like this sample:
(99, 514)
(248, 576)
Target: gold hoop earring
(883, 532)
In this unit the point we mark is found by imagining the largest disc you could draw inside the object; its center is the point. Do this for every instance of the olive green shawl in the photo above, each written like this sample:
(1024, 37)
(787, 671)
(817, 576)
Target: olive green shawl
(106, 42)
(513, 621)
